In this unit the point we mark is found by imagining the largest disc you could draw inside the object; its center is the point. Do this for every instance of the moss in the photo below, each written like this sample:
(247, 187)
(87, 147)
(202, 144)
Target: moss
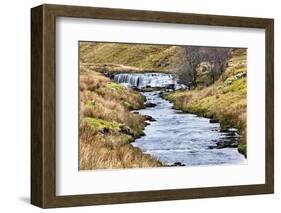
(172, 96)
(88, 103)
(115, 86)
(239, 85)
(150, 89)
(242, 148)
(97, 123)
(127, 105)
(240, 69)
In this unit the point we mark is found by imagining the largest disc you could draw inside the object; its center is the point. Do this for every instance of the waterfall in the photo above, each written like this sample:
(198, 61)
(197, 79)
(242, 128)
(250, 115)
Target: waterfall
(141, 80)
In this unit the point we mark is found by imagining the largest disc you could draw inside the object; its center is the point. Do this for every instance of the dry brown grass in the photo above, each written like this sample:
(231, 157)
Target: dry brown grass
(121, 57)
(105, 108)
(110, 151)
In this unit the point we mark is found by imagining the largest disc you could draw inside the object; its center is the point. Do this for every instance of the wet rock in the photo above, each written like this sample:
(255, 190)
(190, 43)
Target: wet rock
(229, 143)
(139, 135)
(232, 134)
(170, 86)
(178, 164)
(148, 104)
(136, 112)
(150, 89)
(104, 130)
(109, 75)
(149, 118)
(214, 121)
(146, 123)
(136, 88)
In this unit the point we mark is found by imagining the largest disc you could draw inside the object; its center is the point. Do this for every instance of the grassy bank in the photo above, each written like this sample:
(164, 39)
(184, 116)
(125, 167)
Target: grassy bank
(224, 100)
(119, 57)
(107, 126)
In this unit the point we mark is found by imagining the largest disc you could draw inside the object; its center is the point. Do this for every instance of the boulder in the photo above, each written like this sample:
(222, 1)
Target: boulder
(149, 118)
(148, 104)
(170, 86)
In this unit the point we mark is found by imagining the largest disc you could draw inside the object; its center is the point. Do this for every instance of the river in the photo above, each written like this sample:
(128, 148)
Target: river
(177, 138)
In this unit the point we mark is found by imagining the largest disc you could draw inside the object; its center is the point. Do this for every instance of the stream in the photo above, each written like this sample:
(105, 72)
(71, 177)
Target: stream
(176, 138)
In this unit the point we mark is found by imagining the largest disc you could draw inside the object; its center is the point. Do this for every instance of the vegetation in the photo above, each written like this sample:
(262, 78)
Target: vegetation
(115, 57)
(216, 78)
(224, 100)
(107, 126)
(203, 66)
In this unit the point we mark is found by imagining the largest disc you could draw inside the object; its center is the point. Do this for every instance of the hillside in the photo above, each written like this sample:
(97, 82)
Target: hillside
(224, 100)
(105, 57)
(107, 126)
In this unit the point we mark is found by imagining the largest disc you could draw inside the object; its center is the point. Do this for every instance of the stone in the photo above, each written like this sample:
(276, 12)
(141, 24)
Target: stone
(148, 104)
(149, 118)
(146, 123)
(214, 121)
(178, 164)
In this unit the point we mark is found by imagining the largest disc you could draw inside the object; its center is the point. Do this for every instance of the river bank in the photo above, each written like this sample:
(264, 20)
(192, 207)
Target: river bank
(107, 125)
(184, 139)
(224, 101)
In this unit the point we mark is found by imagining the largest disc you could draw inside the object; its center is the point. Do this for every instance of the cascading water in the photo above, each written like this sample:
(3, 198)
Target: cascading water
(142, 80)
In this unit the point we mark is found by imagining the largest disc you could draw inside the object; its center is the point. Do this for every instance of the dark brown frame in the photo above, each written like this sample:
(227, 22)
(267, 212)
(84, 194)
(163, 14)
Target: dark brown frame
(43, 105)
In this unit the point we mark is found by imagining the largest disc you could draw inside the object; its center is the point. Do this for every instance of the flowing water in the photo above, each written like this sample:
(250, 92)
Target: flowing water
(177, 138)
(142, 80)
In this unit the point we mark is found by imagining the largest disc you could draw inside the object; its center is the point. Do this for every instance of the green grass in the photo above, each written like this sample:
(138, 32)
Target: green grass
(242, 148)
(97, 123)
(115, 86)
(238, 86)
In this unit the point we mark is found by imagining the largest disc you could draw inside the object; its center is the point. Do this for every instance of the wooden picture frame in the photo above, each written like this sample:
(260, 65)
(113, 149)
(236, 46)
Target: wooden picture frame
(43, 105)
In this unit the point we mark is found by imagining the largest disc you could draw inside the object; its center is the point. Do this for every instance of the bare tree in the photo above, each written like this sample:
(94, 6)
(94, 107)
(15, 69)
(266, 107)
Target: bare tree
(193, 56)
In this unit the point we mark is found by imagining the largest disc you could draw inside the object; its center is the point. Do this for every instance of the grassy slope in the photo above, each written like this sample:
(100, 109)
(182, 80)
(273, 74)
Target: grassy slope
(225, 100)
(107, 126)
(131, 58)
